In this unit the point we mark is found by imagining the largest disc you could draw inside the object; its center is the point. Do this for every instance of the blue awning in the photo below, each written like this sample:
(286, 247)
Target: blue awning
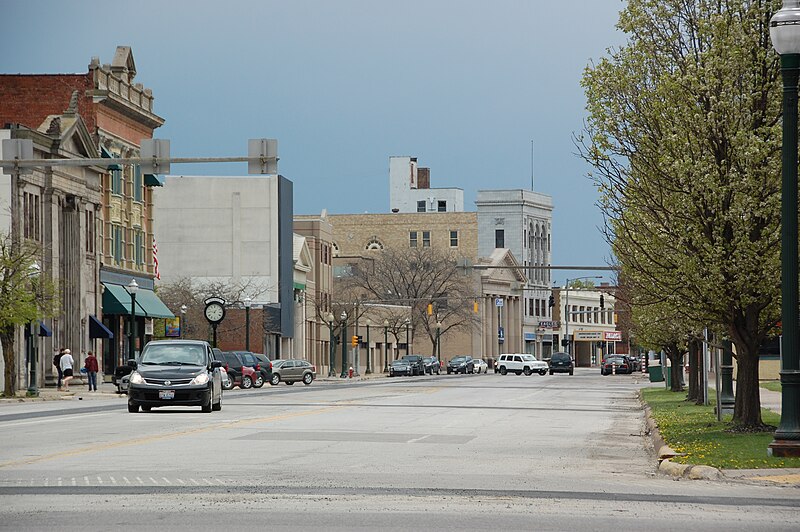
(44, 330)
(97, 329)
(153, 180)
(104, 153)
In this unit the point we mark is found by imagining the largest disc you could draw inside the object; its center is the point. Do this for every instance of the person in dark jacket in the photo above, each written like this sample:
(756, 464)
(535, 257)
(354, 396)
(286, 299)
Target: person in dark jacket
(91, 370)
(57, 364)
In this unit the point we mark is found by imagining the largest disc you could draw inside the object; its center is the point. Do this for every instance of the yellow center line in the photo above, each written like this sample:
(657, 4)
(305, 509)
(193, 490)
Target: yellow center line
(161, 437)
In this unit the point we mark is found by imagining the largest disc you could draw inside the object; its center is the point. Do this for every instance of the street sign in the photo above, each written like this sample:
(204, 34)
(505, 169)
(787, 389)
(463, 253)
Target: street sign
(498, 302)
(612, 336)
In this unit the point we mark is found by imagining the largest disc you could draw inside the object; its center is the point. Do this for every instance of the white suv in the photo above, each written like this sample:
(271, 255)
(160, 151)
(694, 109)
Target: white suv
(520, 363)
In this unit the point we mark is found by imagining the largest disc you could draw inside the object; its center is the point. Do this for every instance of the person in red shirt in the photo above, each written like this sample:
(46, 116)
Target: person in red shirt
(91, 370)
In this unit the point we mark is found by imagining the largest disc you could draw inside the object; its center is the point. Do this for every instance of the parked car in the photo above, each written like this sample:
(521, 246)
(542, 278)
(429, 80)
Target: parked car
(561, 363)
(175, 373)
(291, 371)
(615, 364)
(265, 366)
(400, 367)
(251, 361)
(520, 363)
(417, 363)
(432, 365)
(461, 364)
(120, 378)
(239, 374)
(480, 366)
(226, 380)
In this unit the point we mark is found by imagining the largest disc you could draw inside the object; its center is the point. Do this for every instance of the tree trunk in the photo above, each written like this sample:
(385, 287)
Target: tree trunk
(10, 359)
(747, 406)
(694, 373)
(675, 357)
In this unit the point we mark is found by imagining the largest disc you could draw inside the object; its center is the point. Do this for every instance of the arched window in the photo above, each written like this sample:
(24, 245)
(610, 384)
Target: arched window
(373, 244)
(335, 249)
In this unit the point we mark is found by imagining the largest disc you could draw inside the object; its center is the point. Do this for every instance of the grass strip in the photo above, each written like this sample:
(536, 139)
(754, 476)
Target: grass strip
(694, 430)
(773, 386)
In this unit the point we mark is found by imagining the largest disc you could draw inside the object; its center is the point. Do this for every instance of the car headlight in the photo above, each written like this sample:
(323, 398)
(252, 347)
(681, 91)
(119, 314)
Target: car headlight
(136, 378)
(200, 379)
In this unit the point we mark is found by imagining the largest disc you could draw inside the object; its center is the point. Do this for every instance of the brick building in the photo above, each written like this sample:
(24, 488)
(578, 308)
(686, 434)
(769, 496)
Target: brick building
(117, 114)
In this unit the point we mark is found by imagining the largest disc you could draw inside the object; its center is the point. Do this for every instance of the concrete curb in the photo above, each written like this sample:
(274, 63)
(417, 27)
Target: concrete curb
(665, 453)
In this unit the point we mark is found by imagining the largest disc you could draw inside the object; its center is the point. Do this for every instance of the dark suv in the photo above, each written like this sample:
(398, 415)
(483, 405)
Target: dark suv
(250, 360)
(266, 366)
(233, 364)
(561, 363)
(175, 373)
(417, 363)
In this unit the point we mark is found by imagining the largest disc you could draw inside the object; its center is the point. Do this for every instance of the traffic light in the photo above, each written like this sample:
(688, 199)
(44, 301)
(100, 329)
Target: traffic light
(354, 341)
(430, 309)
(552, 301)
(602, 302)
(616, 318)
(475, 307)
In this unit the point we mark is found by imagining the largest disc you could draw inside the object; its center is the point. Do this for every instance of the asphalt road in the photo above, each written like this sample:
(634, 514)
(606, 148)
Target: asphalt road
(472, 452)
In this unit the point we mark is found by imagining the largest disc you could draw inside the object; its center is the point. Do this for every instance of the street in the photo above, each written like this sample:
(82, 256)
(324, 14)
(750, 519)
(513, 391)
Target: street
(453, 452)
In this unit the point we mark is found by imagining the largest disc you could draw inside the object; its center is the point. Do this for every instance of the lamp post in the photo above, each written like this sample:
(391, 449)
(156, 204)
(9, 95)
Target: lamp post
(408, 337)
(332, 351)
(133, 287)
(184, 308)
(33, 389)
(369, 351)
(784, 29)
(566, 309)
(343, 336)
(385, 346)
(247, 302)
(438, 340)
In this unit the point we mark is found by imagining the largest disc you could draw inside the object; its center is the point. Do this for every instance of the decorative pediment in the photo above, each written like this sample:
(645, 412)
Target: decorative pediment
(503, 257)
(302, 255)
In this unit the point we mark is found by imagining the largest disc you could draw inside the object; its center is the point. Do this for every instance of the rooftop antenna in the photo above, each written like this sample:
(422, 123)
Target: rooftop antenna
(532, 165)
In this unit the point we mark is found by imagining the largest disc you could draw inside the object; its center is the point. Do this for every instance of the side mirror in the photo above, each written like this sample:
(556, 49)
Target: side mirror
(216, 364)
(132, 364)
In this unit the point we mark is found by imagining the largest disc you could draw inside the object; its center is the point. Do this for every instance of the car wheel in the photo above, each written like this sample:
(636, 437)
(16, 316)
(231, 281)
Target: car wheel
(527, 371)
(543, 372)
(308, 378)
(133, 408)
(289, 382)
(216, 407)
(247, 382)
(448, 372)
(228, 386)
(503, 370)
(259, 382)
(551, 372)
(570, 372)
(146, 408)
(275, 379)
(208, 407)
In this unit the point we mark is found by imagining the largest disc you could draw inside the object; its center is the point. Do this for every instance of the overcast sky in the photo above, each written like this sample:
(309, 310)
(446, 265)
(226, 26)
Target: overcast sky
(343, 85)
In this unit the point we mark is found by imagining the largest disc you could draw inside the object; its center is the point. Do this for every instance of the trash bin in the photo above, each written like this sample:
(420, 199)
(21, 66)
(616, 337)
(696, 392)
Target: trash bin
(656, 375)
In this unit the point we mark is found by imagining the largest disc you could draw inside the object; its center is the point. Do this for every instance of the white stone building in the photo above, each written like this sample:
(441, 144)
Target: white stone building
(410, 189)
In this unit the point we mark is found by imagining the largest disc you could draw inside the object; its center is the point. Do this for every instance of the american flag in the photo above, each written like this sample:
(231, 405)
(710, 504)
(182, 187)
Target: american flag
(155, 258)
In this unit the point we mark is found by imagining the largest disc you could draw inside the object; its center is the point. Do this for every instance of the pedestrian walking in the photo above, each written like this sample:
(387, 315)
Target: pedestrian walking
(91, 370)
(66, 368)
(57, 364)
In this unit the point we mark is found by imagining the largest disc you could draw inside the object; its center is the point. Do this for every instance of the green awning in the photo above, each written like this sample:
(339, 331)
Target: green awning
(152, 180)
(108, 155)
(117, 300)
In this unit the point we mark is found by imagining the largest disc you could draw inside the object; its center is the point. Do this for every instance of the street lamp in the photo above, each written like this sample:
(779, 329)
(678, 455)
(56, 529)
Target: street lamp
(438, 342)
(133, 287)
(385, 346)
(566, 309)
(247, 302)
(408, 337)
(784, 29)
(369, 351)
(184, 308)
(343, 336)
(332, 351)
(33, 389)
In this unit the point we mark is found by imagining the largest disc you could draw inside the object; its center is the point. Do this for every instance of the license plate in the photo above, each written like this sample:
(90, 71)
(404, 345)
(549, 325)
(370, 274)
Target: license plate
(166, 394)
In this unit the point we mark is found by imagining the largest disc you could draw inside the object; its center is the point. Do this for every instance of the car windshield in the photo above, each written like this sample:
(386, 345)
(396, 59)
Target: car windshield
(399, 363)
(528, 358)
(174, 355)
(615, 359)
(277, 363)
(459, 360)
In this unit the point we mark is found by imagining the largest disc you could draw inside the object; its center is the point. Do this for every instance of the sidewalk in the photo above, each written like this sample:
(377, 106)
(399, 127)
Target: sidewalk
(79, 391)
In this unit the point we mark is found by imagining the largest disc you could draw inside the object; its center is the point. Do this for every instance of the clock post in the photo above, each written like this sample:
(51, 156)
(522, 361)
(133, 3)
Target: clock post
(215, 313)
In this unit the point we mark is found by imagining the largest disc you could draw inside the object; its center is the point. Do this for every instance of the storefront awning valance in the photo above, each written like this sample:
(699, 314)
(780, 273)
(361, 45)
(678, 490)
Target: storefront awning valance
(44, 330)
(108, 155)
(153, 180)
(117, 300)
(97, 329)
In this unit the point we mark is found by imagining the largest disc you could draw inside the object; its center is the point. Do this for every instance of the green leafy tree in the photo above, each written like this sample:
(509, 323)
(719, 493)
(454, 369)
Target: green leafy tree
(684, 136)
(26, 295)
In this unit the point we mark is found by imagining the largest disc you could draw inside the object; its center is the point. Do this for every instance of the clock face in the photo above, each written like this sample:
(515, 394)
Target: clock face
(215, 312)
